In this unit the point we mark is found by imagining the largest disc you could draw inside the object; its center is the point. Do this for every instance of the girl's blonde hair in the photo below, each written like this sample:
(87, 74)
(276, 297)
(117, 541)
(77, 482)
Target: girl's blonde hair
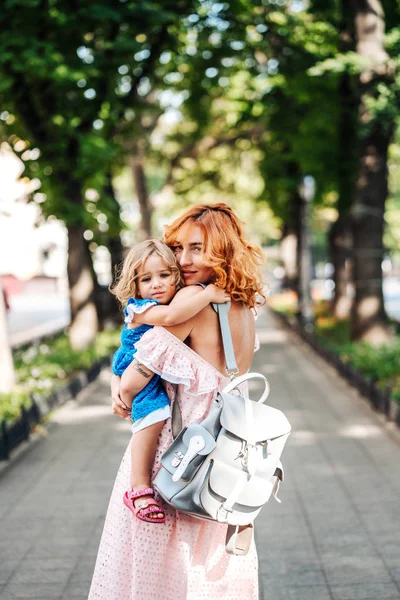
(126, 285)
(236, 261)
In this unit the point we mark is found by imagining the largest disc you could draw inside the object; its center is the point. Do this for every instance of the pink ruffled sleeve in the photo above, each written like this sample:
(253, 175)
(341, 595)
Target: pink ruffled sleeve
(164, 354)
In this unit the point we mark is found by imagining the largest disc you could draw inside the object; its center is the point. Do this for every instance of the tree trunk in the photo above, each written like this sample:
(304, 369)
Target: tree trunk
(304, 262)
(369, 320)
(340, 235)
(84, 318)
(340, 242)
(290, 244)
(298, 203)
(291, 239)
(114, 244)
(7, 376)
(288, 252)
(143, 198)
(117, 256)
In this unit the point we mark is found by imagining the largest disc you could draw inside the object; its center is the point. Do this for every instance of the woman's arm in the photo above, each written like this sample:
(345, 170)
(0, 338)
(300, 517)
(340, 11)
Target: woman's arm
(185, 305)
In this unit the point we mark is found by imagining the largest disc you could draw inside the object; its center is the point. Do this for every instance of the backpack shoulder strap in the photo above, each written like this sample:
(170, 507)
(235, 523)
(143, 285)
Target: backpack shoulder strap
(222, 312)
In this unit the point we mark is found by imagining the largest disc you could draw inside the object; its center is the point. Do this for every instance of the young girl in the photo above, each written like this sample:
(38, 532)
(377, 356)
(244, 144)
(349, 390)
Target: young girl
(147, 288)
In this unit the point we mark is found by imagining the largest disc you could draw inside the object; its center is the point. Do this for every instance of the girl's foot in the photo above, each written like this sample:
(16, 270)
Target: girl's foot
(141, 502)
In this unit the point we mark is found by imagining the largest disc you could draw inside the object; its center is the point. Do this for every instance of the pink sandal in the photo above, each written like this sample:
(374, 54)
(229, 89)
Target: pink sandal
(145, 507)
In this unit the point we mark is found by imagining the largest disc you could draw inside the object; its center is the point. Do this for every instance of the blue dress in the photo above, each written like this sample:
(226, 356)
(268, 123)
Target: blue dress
(153, 396)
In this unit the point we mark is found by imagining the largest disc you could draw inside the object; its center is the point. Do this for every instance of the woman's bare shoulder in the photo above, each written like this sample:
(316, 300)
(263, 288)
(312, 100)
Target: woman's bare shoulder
(240, 311)
(205, 337)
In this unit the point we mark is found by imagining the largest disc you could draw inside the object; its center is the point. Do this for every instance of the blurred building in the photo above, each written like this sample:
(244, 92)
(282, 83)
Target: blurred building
(29, 245)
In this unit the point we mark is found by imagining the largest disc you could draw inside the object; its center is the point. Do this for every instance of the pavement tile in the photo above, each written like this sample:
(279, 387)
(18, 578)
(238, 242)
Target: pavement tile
(291, 549)
(45, 591)
(345, 546)
(76, 588)
(279, 591)
(64, 547)
(13, 597)
(7, 568)
(395, 572)
(50, 563)
(22, 528)
(370, 591)
(82, 577)
(13, 549)
(38, 576)
(356, 573)
(295, 577)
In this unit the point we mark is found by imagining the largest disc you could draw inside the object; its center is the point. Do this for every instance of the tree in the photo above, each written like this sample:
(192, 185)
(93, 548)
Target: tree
(69, 74)
(365, 65)
(377, 124)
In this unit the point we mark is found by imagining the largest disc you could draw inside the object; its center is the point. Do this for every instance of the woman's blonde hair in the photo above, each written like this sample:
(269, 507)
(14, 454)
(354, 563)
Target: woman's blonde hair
(235, 261)
(126, 285)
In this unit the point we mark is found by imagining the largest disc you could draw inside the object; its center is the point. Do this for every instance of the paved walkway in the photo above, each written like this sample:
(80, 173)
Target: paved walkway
(335, 536)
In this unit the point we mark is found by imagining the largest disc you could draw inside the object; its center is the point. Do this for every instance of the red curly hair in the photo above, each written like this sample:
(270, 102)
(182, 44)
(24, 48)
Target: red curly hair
(235, 261)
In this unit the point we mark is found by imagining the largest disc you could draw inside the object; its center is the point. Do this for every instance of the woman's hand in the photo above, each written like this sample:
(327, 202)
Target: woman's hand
(118, 407)
(216, 294)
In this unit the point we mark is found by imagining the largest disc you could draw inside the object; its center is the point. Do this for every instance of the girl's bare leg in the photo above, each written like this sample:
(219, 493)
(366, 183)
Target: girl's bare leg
(143, 451)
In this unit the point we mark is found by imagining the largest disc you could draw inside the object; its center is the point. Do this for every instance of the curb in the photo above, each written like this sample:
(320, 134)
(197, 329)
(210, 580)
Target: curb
(379, 399)
(18, 433)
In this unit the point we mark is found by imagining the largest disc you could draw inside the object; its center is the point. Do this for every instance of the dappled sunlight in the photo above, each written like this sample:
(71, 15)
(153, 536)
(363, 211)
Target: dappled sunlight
(120, 425)
(84, 414)
(352, 561)
(303, 438)
(369, 307)
(361, 431)
(306, 437)
(272, 336)
(267, 369)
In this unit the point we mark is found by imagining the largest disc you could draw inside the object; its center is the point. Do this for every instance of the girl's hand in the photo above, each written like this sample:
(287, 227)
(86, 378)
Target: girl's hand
(118, 406)
(217, 294)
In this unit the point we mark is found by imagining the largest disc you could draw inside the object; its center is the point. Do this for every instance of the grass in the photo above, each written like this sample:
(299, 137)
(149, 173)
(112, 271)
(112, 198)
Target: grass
(41, 368)
(380, 363)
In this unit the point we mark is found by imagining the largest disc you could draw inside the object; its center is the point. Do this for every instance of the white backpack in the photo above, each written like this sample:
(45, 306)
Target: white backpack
(228, 466)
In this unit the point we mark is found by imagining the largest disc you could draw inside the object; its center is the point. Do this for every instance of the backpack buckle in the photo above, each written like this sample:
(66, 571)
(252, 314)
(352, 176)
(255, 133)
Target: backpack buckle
(223, 518)
(176, 461)
(232, 373)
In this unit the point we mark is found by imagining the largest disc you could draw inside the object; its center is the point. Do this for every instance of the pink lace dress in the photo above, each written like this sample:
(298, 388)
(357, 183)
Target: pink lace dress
(185, 558)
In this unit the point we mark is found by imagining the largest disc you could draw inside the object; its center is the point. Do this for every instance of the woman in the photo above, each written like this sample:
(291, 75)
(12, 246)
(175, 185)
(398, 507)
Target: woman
(185, 559)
